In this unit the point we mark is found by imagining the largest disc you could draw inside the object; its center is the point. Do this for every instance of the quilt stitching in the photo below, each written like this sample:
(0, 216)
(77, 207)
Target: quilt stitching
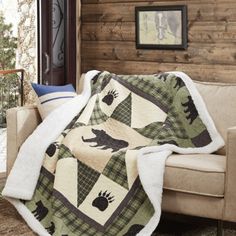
(97, 191)
(45, 184)
(80, 227)
(75, 224)
(151, 88)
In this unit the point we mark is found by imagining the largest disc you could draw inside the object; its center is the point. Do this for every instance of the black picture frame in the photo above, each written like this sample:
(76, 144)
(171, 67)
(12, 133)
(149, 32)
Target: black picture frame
(161, 27)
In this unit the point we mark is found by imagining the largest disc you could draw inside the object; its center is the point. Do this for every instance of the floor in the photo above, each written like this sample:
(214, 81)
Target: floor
(11, 224)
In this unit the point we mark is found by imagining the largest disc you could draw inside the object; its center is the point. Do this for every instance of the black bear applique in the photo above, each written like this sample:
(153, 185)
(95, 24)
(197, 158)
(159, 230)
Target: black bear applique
(133, 230)
(51, 228)
(95, 78)
(52, 149)
(41, 211)
(179, 83)
(109, 98)
(103, 200)
(163, 76)
(191, 109)
(106, 141)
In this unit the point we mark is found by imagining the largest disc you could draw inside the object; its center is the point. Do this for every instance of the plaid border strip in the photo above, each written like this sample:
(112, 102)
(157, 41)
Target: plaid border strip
(151, 130)
(73, 222)
(147, 89)
(175, 125)
(128, 212)
(72, 217)
(78, 226)
(45, 183)
(62, 210)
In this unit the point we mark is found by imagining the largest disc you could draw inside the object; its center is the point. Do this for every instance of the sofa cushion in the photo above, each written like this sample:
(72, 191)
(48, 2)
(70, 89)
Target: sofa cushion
(51, 97)
(201, 174)
(220, 99)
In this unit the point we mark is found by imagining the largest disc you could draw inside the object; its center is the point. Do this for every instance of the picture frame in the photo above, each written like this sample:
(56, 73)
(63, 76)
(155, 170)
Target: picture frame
(161, 27)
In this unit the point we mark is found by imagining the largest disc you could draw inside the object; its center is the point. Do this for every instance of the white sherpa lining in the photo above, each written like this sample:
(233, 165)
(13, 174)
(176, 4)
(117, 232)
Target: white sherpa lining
(23, 178)
(151, 160)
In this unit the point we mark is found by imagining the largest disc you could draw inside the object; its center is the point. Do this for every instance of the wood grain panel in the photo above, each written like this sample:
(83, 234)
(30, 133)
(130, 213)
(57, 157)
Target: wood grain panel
(197, 72)
(210, 32)
(125, 12)
(196, 53)
(108, 40)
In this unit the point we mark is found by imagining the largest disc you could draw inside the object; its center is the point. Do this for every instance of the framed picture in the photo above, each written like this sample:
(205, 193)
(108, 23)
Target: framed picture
(161, 27)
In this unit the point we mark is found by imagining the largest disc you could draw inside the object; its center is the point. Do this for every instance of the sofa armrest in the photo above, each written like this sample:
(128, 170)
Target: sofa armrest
(230, 189)
(21, 122)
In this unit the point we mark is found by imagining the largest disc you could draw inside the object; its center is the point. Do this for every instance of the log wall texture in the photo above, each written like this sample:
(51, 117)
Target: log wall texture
(108, 40)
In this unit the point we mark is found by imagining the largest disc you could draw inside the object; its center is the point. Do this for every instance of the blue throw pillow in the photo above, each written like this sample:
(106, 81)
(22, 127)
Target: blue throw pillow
(50, 97)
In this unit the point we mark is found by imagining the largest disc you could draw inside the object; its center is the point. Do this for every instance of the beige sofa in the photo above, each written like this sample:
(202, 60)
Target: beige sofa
(200, 184)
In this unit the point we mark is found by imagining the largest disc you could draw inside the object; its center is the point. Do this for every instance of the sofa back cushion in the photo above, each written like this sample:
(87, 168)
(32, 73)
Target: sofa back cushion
(80, 83)
(220, 99)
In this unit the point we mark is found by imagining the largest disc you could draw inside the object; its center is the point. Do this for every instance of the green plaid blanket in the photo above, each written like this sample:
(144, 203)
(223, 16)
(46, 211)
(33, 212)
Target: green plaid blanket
(89, 183)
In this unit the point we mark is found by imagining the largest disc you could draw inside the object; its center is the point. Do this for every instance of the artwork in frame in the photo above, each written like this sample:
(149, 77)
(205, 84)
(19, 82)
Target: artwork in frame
(161, 27)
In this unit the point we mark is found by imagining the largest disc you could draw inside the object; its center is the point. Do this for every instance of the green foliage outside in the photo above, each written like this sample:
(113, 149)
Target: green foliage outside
(8, 45)
(9, 93)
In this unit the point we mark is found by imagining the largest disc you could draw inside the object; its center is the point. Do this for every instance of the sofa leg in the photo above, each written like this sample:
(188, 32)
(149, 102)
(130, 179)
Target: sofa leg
(220, 231)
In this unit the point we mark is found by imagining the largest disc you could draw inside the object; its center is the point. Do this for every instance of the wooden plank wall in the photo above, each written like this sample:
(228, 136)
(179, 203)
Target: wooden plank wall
(108, 40)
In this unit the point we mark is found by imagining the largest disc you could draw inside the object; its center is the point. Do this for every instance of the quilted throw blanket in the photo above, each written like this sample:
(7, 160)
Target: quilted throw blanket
(103, 174)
